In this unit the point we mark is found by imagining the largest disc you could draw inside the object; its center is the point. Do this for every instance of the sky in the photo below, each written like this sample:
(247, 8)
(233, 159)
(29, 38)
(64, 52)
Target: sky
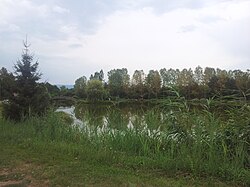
(74, 38)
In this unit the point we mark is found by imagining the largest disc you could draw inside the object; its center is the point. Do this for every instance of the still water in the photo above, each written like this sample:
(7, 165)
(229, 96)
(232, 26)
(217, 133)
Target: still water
(116, 117)
(172, 121)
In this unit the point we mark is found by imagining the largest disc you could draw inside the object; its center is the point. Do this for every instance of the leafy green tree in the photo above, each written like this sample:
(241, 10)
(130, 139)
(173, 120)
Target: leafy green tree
(165, 77)
(63, 90)
(243, 82)
(138, 84)
(230, 85)
(185, 78)
(198, 75)
(186, 83)
(97, 76)
(214, 86)
(80, 87)
(30, 97)
(118, 81)
(169, 77)
(153, 83)
(208, 74)
(66, 92)
(95, 90)
(7, 84)
(52, 89)
(222, 80)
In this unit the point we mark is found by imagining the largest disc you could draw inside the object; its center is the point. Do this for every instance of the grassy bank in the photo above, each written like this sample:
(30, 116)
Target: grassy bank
(190, 148)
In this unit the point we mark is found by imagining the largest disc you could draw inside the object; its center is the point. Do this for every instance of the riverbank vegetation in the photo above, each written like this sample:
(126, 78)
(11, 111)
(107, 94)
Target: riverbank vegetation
(199, 146)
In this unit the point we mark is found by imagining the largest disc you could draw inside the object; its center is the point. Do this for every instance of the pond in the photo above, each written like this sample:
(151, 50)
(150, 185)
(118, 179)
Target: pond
(173, 118)
(178, 123)
(116, 117)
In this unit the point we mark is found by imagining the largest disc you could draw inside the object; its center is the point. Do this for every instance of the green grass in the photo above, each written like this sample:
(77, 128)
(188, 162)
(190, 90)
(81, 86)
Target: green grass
(192, 148)
(63, 169)
(1, 109)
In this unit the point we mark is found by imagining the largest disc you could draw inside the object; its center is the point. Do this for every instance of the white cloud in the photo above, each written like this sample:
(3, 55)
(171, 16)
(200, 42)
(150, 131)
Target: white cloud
(60, 10)
(15, 9)
(188, 28)
(231, 30)
(140, 39)
(8, 27)
(69, 29)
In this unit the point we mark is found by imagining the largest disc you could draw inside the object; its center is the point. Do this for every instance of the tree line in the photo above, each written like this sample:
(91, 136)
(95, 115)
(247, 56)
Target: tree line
(198, 83)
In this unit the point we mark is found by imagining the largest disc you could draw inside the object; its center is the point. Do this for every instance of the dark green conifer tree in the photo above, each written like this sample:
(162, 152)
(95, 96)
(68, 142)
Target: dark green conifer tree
(30, 98)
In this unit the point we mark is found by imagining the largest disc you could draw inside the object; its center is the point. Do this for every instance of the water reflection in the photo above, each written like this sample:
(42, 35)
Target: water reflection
(71, 112)
(116, 117)
(167, 122)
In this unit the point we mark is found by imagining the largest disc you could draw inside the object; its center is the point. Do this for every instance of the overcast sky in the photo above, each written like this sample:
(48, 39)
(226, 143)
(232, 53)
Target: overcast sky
(72, 38)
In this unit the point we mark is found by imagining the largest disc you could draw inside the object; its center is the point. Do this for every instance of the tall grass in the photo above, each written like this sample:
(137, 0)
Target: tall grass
(177, 139)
